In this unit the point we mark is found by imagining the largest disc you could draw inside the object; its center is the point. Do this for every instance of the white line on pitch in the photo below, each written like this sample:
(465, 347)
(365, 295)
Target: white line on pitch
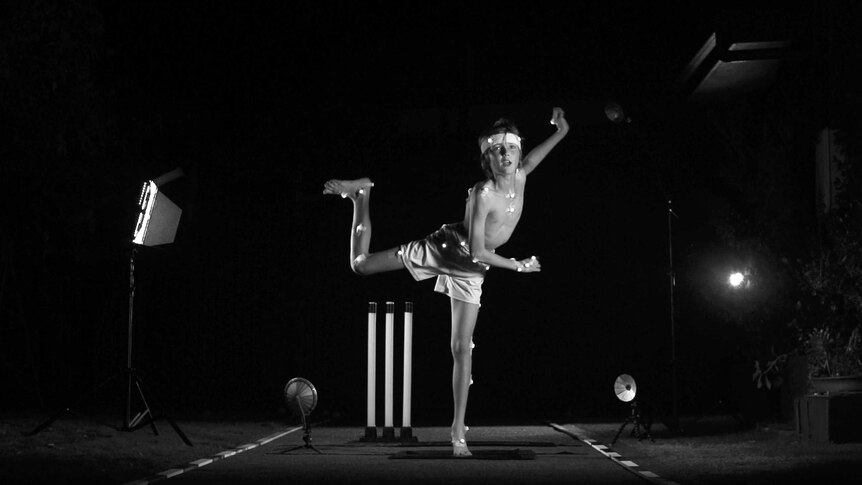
(172, 472)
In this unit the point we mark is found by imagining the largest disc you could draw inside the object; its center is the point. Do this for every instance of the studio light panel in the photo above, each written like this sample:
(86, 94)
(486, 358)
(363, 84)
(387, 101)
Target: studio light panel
(158, 217)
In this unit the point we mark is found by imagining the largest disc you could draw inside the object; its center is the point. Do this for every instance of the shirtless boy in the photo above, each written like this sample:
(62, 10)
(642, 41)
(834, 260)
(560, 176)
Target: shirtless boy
(459, 254)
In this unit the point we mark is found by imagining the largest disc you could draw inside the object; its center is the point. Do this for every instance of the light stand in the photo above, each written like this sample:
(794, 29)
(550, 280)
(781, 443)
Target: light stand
(132, 376)
(671, 283)
(301, 398)
(157, 224)
(626, 390)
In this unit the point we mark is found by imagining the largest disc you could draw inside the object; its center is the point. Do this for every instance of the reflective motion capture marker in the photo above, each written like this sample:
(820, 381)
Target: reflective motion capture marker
(358, 193)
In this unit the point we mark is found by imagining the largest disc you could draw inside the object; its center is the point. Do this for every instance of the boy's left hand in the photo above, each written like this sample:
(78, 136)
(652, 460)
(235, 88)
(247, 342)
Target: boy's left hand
(558, 118)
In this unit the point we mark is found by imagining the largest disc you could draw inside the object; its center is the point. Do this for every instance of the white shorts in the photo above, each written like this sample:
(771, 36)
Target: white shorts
(445, 254)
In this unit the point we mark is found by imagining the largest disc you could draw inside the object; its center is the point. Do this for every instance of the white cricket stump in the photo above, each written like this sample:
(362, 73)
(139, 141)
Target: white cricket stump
(406, 431)
(388, 431)
(370, 423)
(388, 427)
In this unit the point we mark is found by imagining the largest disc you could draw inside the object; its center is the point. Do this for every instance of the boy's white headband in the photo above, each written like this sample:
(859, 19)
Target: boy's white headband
(500, 138)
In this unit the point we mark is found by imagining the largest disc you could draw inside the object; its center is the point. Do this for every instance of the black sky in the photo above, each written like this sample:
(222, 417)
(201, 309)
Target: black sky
(261, 102)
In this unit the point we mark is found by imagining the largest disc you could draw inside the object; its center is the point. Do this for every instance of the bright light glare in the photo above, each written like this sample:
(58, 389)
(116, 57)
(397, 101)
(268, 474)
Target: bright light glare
(736, 279)
(148, 198)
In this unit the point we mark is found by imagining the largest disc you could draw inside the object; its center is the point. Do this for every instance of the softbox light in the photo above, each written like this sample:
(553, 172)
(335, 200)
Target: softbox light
(158, 217)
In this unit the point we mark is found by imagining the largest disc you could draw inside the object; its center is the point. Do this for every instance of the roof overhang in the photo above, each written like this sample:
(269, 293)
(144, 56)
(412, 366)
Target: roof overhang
(725, 67)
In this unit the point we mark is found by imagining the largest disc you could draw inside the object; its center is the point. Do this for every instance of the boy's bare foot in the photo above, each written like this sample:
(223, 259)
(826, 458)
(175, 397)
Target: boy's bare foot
(347, 188)
(459, 443)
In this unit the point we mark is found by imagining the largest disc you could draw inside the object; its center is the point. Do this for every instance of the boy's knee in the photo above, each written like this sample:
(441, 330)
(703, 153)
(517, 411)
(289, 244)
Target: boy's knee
(460, 348)
(358, 264)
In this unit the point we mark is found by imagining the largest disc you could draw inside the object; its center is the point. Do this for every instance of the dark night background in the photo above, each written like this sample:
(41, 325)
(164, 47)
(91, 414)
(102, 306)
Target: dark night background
(261, 102)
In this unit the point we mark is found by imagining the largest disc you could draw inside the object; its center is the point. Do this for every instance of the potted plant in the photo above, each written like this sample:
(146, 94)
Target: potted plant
(831, 318)
(834, 359)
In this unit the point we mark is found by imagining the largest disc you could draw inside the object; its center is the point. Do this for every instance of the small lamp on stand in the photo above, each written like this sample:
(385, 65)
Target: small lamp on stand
(625, 389)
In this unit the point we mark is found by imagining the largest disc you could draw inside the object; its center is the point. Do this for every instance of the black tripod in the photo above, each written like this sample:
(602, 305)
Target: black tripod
(637, 420)
(306, 437)
(133, 378)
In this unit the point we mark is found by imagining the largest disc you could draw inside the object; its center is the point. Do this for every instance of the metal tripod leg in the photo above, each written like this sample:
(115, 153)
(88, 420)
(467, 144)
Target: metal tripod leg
(635, 419)
(306, 436)
(129, 424)
(619, 431)
(148, 413)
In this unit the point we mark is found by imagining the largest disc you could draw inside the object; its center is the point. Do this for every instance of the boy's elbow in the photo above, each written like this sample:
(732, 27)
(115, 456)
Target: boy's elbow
(479, 255)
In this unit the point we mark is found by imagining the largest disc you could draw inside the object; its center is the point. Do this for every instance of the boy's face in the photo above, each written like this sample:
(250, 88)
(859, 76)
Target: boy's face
(504, 158)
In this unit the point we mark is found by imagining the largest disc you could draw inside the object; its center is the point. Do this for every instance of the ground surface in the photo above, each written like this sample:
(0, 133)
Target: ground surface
(712, 450)
(717, 450)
